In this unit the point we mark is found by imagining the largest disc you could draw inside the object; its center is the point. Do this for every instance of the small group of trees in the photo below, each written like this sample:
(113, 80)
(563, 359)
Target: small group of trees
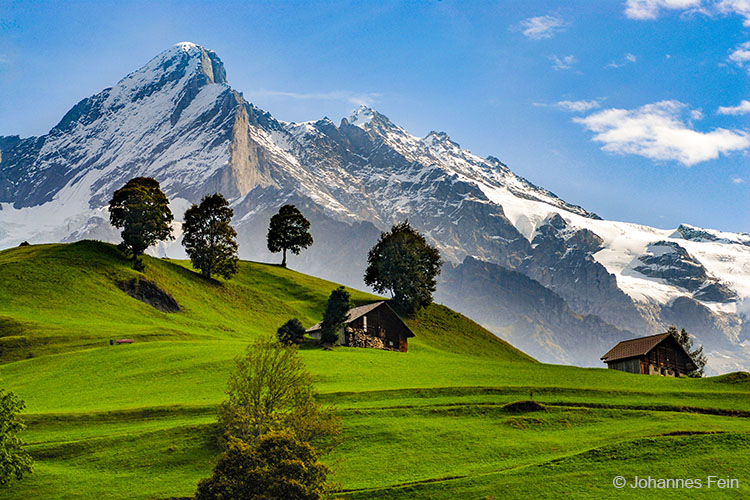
(401, 262)
(336, 313)
(274, 431)
(142, 210)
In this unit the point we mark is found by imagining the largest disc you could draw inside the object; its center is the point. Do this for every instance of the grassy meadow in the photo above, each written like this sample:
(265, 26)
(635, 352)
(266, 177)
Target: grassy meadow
(138, 421)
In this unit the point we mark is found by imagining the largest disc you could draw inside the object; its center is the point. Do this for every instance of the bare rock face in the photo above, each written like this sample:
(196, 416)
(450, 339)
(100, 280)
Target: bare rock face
(669, 261)
(563, 261)
(149, 293)
(530, 316)
(695, 317)
(712, 290)
(251, 167)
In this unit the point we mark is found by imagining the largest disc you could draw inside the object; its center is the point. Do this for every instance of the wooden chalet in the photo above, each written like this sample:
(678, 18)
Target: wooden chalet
(373, 325)
(658, 354)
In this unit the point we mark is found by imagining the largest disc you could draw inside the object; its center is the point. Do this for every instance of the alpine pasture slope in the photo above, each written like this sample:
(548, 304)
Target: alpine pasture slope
(138, 421)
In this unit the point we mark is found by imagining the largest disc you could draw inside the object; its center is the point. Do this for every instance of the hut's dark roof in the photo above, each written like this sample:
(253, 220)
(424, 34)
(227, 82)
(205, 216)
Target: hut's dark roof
(635, 348)
(357, 312)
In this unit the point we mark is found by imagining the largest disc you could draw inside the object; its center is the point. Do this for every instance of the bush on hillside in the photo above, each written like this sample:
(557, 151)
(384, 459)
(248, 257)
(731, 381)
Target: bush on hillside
(291, 332)
(277, 467)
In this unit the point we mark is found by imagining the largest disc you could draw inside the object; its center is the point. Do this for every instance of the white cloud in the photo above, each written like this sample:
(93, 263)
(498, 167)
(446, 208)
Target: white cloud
(628, 58)
(658, 131)
(538, 28)
(649, 9)
(738, 180)
(578, 106)
(565, 62)
(741, 55)
(742, 108)
(336, 95)
(739, 7)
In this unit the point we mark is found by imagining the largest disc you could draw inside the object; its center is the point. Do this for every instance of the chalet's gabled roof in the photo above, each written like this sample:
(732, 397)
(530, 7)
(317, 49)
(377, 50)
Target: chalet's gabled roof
(635, 348)
(357, 312)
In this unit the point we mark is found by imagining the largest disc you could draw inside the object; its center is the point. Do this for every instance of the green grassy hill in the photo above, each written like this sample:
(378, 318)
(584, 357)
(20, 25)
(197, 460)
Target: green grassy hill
(137, 421)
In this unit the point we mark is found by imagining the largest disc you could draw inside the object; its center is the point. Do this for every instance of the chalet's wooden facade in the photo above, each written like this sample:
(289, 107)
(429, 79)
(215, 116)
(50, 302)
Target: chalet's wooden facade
(658, 354)
(376, 321)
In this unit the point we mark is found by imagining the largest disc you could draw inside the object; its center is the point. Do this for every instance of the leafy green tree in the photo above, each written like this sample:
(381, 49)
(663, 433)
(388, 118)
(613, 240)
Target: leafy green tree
(277, 467)
(291, 332)
(699, 358)
(14, 461)
(289, 230)
(404, 264)
(209, 239)
(141, 209)
(270, 390)
(335, 316)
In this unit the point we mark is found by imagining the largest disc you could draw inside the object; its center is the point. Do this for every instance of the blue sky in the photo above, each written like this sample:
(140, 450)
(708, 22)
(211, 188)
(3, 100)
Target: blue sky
(638, 110)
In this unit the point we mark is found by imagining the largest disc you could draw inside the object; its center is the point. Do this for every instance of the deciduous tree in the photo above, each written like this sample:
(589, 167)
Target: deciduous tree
(404, 264)
(289, 230)
(270, 390)
(209, 239)
(141, 209)
(14, 460)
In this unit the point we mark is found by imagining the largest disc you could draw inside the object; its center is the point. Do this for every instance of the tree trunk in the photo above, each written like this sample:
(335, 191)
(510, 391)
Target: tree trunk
(283, 259)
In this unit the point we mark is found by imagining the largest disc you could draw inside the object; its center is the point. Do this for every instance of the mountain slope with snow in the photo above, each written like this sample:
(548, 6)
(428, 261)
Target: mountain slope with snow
(178, 120)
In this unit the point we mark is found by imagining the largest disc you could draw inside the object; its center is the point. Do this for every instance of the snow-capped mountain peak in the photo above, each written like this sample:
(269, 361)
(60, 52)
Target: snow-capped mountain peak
(183, 63)
(361, 116)
(186, 46)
